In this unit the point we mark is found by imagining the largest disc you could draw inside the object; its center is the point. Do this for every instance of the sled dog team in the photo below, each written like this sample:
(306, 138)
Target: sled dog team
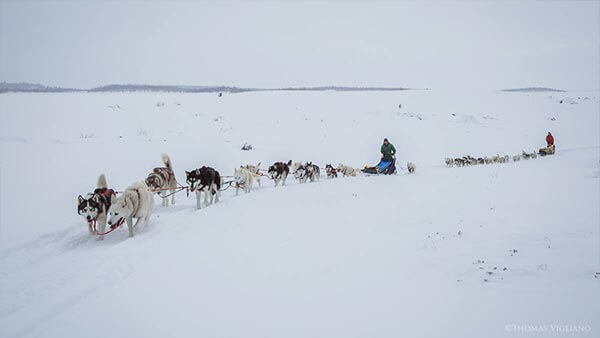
(104, 207)
(468, 160)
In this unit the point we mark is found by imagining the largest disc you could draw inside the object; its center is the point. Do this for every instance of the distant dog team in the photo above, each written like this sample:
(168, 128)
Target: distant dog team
(468, 160)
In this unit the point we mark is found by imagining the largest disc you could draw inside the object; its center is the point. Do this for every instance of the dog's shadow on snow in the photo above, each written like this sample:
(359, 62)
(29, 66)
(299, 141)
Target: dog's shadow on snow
(83, 239)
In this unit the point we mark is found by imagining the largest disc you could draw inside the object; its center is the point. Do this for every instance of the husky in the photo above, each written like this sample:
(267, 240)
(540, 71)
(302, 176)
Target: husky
(516, 158)
(279, 172)
(313, 171)
(294, 167)
(161, 179)
(205, 180)
(94, 207)
(244, 179)
(411, 167)
(331, 171)
(347, 170)
(525, 155)
(533, 155)
(459, 162)
(255, 170)
(137, 201)
(300, 173)
(449, 162)
(487, 160)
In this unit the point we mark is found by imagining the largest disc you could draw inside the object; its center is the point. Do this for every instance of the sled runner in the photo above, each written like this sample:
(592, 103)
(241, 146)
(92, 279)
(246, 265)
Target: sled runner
(547, 151)
(383, 167)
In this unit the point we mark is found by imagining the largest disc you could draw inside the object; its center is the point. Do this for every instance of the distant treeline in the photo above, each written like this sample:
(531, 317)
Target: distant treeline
(32, 88)
(38, 88)
(166, 88)
(534, 89)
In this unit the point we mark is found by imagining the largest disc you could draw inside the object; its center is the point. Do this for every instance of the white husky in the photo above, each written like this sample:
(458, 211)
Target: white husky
(347, 170)
(244, 179)
(255, 170)
(294, 167)
(137, 201)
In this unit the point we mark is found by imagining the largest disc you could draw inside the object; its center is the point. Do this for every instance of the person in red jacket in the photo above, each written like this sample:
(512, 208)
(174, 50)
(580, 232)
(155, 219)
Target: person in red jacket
(550, 140)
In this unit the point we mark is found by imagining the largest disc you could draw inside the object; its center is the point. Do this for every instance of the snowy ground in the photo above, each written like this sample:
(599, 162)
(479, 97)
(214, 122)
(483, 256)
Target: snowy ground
(486, 251)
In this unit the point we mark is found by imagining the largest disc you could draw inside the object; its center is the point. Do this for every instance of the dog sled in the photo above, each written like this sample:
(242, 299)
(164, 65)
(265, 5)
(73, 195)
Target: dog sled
(547, 151)
(383, 167)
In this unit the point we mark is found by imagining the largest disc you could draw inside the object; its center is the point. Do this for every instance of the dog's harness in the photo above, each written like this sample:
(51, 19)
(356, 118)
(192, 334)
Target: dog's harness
(113, 227)
(108, 194)
(332, 171)
(170, 175)
(239, 182)
(263, 175)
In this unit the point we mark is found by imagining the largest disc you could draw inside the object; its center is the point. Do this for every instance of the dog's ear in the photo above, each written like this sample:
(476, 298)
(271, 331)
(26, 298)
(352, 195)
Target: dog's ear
(187, 173)
(80, 199)
(96, 199)
(289, 162)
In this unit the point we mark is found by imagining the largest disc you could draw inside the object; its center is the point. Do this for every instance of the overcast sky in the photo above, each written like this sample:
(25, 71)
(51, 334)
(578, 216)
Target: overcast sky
(274, 44)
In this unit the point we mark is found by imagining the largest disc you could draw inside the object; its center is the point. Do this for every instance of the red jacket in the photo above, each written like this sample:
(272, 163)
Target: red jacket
(550, 139)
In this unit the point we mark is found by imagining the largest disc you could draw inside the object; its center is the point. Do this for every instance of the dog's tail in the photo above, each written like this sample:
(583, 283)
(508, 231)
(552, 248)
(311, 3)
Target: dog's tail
(101, 182)
(167, 161)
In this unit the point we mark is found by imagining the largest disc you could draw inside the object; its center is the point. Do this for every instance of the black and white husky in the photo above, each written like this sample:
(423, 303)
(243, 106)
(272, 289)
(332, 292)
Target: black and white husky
(313, 171)
(331, 171)
(411, 167)
(94, 206)
(137, 201)
(279, 172)
(204, 180)
(162, 181)
(300, 172)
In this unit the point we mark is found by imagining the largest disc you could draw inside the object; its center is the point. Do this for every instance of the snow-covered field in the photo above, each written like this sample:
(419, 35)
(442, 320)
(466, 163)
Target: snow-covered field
(485, 251)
